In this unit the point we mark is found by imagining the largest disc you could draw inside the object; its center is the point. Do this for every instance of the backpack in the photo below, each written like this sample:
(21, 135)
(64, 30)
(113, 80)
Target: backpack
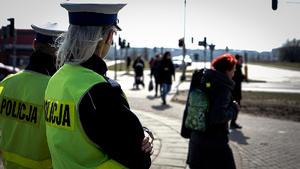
(198, 107)
(198, 104)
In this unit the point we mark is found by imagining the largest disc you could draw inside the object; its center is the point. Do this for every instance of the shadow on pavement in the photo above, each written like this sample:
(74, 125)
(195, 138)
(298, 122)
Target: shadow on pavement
(152, 97)
(161, 107)
(238, 137)
(136, 89)
(255, 81)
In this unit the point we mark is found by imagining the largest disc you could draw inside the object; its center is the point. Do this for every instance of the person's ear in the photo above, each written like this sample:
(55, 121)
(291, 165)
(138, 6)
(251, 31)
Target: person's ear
(34, 44)
(226, 73)
(109, 37)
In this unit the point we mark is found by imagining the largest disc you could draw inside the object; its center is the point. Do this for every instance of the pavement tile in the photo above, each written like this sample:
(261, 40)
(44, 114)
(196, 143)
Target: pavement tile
(170, 162)
(172, 155)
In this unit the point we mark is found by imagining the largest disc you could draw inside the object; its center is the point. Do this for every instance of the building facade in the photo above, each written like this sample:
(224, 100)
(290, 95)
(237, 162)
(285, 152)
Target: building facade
(24, 48)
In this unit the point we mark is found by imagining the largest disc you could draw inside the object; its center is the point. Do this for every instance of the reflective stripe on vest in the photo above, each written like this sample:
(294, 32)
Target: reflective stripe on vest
(26, 162)
(111, 164)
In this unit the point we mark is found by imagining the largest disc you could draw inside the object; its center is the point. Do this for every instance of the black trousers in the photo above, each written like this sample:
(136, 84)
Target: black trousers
(234, 119)
(156, 87)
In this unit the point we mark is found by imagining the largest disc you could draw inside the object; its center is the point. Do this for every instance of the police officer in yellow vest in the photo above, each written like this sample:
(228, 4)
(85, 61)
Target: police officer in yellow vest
(87, 113)
(23, 131)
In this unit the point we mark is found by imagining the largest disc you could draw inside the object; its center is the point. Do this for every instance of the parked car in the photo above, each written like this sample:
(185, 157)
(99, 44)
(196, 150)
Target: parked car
(6, 70)
(177, 61)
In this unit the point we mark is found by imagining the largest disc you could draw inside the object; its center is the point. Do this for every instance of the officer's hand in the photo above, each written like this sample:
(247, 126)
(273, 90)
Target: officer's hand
(147, 144)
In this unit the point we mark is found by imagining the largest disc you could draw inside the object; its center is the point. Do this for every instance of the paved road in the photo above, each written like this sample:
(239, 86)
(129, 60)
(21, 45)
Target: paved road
(262, 78)
(267, 79)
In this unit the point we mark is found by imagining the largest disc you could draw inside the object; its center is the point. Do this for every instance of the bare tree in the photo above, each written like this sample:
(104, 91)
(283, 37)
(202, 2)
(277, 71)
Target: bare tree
(133, 54)
(145, 54)
(290, 51)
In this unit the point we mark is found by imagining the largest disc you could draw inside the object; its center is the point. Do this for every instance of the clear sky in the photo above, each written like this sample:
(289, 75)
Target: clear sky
(238, 24)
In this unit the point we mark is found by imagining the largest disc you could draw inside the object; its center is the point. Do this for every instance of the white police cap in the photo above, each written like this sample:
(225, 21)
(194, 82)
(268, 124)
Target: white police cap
(93, 14)
(48, 32)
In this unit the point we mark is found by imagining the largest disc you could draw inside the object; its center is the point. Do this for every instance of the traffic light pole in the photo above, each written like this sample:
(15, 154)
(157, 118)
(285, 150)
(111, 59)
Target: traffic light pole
(121, 59)
(204, 56)
(183, 49)
(246, 67)
(203, 43)
(212, 48)
(13, 34)
(115, 61)
(183, 77)
(14, 51)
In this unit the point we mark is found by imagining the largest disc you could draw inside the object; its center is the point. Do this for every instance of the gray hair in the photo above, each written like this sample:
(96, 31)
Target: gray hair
(80, 42)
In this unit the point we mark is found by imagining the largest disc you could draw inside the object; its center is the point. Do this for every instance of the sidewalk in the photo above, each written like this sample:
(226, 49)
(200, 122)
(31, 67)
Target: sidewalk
(165, 122)
(261, 143)
(170, 149)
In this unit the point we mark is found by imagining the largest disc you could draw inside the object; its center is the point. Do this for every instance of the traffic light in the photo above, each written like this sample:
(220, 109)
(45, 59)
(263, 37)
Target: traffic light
(181, 42)
(11, 27)
(202, 43)
(274, 4)
(4, 33)
(192, 40)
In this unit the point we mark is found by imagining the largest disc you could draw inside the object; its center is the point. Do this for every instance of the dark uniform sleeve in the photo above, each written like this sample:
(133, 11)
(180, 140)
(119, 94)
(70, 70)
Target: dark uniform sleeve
(109, 123)
(222, 110)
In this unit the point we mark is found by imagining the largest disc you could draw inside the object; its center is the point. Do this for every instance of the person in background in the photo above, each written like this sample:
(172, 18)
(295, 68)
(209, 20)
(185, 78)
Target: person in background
(151, 62)
(128, 62)
(237, 90)
(210, 149)
(87, 114)
(22, 119)
(155, 72)
(166, 70)
(138, 67)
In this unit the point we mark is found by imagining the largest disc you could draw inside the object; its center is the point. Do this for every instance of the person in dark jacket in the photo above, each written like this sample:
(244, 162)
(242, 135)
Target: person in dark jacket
(210, 149)
(128, 62)
(155, 72)
(237, 91)
(138, 67)
(166, 70)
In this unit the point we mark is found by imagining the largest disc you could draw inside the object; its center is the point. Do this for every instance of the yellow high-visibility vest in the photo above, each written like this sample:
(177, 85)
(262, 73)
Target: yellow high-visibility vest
(69, 146)
(23, 131)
